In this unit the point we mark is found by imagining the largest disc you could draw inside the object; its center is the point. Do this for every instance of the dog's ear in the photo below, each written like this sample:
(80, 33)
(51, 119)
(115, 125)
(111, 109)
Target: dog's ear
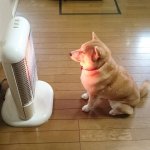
(94, 36)
(96, 54)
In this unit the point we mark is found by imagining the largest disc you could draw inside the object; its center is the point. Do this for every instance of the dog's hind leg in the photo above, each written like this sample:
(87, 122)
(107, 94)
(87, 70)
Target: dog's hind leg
(119, 108)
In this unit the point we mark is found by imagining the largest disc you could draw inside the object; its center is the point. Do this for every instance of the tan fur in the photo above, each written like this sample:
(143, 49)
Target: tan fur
(103, 79)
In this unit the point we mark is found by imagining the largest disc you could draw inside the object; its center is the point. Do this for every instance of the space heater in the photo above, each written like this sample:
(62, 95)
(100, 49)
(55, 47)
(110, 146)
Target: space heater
(28, 101)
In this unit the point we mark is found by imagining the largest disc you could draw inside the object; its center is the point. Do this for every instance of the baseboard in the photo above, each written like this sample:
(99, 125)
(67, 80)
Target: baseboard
(8, 13)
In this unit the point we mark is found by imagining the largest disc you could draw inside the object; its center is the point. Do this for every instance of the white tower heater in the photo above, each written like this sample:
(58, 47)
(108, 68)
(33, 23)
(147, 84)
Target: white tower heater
(28, 101)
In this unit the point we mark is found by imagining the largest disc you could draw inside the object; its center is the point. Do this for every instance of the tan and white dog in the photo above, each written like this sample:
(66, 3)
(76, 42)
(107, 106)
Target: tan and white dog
(104, 79)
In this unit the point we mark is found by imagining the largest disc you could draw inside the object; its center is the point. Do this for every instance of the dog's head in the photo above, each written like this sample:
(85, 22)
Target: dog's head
(91, 54)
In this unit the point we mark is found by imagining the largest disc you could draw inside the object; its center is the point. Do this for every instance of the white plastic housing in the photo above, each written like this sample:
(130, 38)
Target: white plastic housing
(18, 60)
(43, 105)
(14, 51)
(16, 40)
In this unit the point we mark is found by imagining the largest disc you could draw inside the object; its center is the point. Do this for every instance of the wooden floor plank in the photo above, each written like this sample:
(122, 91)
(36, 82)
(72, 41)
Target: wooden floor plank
(39, 137)
(51, 125)
(114, 135)
(44, 146)
(113, 123)
(121, 145)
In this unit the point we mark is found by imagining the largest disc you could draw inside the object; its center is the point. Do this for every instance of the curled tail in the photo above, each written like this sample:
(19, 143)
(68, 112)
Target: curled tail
(144, 89)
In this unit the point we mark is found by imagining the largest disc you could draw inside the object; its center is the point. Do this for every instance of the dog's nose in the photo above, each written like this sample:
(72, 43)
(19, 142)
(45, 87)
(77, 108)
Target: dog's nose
(70, 54)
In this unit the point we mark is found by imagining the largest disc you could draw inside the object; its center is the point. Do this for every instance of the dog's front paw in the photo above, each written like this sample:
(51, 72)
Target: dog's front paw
(85, 96)
(86, 108)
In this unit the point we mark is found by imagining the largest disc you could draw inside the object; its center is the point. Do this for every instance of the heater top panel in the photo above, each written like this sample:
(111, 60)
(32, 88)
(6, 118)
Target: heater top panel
(14, 48)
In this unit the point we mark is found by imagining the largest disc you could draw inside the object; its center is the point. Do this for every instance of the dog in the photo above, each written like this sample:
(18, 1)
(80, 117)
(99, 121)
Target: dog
(104, 79)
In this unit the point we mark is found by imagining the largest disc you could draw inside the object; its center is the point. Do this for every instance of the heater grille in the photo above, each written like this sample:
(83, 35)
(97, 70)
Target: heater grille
(23, 81)
(25, 73)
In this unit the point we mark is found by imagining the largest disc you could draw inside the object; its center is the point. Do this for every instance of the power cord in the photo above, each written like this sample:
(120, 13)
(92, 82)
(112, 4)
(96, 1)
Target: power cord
(3, 88)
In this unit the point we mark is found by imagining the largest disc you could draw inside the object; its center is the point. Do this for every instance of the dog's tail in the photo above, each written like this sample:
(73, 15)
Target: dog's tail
(144, 88)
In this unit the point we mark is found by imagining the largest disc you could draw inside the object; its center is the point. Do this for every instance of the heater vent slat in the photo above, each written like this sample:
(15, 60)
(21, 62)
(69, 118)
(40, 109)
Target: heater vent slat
(23, 82)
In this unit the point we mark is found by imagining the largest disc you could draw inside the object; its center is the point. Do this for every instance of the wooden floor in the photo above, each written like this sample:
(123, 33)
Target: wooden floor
(54, 35)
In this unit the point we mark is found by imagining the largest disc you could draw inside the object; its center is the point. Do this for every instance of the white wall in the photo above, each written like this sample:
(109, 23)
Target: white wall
(7, 11)
(5, 16)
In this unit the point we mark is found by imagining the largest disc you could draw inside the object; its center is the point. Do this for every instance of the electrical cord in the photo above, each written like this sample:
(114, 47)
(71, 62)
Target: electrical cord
(3, 88)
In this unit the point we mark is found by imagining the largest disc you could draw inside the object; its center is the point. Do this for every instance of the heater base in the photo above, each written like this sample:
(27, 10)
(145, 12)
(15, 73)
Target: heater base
(43, 105)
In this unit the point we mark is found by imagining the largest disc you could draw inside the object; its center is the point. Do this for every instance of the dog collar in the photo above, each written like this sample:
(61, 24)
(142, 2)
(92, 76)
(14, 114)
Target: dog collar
(89, 69)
